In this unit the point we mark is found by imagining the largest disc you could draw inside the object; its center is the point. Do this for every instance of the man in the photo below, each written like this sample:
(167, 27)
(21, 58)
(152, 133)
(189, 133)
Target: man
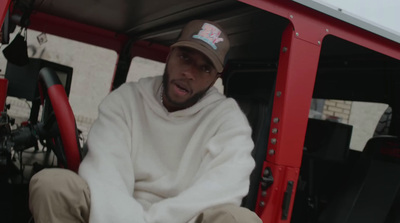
(167, 149)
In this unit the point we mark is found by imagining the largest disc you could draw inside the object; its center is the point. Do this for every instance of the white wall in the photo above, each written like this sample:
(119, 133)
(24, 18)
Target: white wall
(364, 117)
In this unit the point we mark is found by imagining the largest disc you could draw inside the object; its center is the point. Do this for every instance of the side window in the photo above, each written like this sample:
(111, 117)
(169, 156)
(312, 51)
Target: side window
(365, 117)
(91, 78)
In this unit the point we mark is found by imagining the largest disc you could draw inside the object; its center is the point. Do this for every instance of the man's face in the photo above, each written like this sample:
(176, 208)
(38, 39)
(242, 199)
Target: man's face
(187, 77)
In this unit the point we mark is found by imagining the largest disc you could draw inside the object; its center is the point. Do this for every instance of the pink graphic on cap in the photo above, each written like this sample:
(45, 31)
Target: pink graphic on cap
(209, 34)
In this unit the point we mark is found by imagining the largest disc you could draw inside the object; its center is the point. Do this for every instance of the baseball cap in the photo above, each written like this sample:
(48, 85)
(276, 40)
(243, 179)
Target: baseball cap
(208, 38)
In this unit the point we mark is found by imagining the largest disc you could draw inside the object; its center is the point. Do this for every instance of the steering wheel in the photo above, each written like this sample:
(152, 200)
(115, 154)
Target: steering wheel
(51, 90)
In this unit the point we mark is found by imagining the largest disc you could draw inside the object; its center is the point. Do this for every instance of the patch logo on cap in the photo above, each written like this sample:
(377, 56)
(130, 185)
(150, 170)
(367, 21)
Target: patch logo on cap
(209, 34)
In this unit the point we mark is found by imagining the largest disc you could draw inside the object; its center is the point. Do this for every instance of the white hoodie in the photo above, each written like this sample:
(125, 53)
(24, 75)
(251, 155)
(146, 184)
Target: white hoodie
(147, 165)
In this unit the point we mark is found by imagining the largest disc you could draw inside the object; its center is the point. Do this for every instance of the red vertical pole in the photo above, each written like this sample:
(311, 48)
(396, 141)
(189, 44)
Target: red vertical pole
(3, 10)
(298, 62)
(3, 82)
(3, 93)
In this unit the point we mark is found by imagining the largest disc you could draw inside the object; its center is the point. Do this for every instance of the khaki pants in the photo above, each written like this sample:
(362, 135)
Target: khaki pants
(61, 196)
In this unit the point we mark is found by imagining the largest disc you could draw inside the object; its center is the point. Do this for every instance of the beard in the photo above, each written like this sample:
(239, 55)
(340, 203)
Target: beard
(185, 104)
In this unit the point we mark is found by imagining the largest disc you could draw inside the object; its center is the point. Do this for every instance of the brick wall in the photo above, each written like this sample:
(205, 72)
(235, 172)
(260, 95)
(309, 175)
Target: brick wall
(337, 110)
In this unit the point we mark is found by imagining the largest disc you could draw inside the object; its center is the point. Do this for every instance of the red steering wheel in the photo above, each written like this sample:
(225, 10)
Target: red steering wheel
(51, 88)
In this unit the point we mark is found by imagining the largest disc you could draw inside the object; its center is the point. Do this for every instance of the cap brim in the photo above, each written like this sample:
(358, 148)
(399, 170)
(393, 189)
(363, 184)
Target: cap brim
(197, 46)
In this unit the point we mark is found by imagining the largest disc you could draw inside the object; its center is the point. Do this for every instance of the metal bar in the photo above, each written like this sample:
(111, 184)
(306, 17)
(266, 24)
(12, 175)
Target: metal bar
(3, 10)
(77, 31)
(298, 62)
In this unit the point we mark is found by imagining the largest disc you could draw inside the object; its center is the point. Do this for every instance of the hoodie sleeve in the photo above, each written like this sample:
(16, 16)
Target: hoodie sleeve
(223, 177)
(108, 167)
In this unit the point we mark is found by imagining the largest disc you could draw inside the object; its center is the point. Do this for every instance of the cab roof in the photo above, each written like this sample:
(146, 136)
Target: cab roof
(255, 34)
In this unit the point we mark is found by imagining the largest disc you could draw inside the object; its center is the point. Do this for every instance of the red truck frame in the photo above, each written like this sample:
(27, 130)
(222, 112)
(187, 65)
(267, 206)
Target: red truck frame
(299, 57)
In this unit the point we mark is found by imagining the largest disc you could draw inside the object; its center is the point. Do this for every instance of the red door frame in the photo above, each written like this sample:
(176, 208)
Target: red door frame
(297, 68)
(298, 63)
(313, 26)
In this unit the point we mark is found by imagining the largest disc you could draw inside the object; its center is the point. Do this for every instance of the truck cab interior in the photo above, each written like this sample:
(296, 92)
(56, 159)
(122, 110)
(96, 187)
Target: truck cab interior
(283, 54)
